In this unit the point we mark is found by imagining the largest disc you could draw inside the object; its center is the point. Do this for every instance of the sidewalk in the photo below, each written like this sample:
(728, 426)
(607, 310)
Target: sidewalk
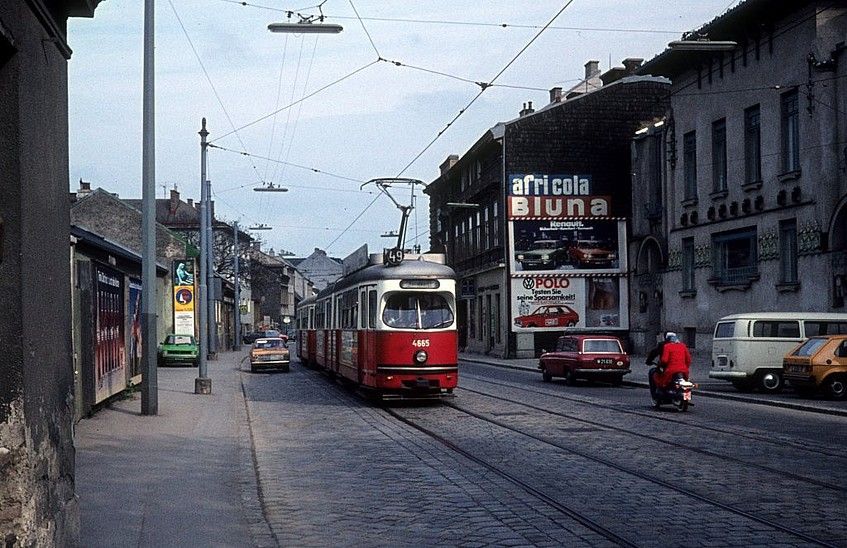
(182, 478)
(709, 388)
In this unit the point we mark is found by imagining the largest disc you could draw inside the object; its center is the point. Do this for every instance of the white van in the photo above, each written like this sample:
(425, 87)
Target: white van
(747, 349)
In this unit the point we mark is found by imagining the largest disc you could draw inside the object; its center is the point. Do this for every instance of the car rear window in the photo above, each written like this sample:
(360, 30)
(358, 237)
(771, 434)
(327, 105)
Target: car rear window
(725, 330)
(777, 329)
(179, 339)
(809, 348)
(595, 346)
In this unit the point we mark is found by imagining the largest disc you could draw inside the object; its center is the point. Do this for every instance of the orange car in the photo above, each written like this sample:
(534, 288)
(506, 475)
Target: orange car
(820, 363)
(270, 353)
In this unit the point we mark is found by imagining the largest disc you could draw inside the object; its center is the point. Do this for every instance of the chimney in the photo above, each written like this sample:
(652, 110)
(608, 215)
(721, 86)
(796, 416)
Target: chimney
(556, 95)
(527, 109)
(632, 64)
(174, 200)
(84, 188)
(256, 245)
(592, 69)
(191, 202)
(271, 252)
(448, 163)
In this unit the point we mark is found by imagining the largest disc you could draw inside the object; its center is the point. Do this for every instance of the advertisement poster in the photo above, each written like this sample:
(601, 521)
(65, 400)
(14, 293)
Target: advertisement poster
(557, 303)
(135, 345)
(596, 245)
(109, 355)
(184, 296)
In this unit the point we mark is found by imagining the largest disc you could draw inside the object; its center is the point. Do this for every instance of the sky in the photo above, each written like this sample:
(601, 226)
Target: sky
(216, 59)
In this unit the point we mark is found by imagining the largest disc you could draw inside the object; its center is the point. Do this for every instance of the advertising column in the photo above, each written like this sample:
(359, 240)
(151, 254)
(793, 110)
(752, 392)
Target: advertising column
(183, 292)
(567, 256)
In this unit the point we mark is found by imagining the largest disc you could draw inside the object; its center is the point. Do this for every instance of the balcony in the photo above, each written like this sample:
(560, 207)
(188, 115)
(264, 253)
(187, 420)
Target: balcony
(734, 278)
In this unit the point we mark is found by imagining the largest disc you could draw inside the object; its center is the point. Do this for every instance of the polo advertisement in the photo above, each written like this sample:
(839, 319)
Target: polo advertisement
(557, 224)
(557, 303)
(184, 296)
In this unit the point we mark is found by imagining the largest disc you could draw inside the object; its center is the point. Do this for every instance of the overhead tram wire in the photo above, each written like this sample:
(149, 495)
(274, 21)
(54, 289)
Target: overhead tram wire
(454, 77)
(464, 23)
(212, 85)
(299, 110)
(440, 133)
(359, 17)
(276, 105)
(292, 164)
(309, 96)
(288, 112)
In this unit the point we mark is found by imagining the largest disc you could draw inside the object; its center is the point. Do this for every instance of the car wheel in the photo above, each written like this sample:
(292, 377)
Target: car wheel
(252, 368)
(617, 381)
(683, 407)
(531, 325)
(770, 382)
(571, 324)
(570, 378)
(835, 387)
(656, 403)
(743, 386)
(545, 375)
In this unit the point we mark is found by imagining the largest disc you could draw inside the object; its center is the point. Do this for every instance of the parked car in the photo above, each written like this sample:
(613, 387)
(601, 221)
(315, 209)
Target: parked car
(549, 315)
(543, 254)
(591, 254)
(178, 350)
(595, 357)
(820, 363)
(270, 353)
(748, 349)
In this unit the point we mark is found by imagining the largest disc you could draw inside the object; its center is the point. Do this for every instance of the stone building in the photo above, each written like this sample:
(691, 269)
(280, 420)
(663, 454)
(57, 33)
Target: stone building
(533, 216)
(37, 503)
(277, 287)
(742, 186)
(320, 268)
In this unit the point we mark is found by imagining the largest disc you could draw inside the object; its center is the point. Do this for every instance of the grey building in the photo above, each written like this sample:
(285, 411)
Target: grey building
(741, 187)
(37, 502)
(533, 216)
(320, 268)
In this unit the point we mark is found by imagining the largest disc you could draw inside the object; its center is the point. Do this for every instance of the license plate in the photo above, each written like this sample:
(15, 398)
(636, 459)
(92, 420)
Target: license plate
(686, 396)
(605, 361)
(722, 361)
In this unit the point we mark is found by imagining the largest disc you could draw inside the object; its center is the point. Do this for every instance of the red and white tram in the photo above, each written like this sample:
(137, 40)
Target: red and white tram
(389, 328)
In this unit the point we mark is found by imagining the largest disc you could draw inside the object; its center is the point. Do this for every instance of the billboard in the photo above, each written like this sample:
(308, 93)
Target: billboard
(135, 345)
(183, 296)
(556, 303)
(109, 355)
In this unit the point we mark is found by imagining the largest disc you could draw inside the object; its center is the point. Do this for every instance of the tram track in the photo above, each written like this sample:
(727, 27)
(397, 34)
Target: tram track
(780, 442)
(683, 446)
(585, 520)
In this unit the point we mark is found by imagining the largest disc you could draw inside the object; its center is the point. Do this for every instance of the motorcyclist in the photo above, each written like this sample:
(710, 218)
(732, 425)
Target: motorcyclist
(652, 356)
(675, 360)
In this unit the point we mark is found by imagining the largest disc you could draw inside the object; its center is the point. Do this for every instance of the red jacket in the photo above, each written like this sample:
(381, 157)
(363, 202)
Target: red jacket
(675, 359)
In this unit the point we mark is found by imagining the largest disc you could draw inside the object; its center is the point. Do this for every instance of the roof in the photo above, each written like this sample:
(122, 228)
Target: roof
(788, 316)
(735, 24)
(493, 134)
(114, 248)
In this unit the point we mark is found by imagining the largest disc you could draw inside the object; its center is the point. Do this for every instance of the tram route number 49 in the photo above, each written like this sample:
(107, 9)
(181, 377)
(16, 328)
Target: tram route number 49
(420, 343)
(392, 257)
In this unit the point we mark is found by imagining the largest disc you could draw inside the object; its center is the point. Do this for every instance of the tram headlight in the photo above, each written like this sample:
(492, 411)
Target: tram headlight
(420, 356)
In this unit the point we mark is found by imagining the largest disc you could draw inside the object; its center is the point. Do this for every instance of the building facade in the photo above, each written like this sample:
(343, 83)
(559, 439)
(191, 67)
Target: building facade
(742, 184)
(533, 217)
(37, 502)
(318, 267)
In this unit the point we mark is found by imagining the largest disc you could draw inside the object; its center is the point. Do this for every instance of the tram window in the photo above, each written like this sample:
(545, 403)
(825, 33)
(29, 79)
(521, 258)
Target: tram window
(417, 311)
(363, 309)
(372, 309)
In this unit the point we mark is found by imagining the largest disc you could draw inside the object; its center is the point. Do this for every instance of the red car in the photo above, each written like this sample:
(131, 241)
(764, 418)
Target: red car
(549, 315)
(596, 357)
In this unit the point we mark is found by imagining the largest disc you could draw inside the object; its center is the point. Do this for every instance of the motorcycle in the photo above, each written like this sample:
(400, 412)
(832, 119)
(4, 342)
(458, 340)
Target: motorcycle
(676, 393)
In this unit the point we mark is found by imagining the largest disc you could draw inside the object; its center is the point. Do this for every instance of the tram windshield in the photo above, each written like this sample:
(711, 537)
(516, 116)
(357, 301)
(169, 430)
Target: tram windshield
(417, 311)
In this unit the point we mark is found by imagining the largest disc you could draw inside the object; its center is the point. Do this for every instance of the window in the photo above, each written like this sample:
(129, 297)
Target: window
(825, 328)
(725, 330)
(372, 308)
(478, 318)
(601, 346)
(412, 310)
(809, 348)
(471, 319)
(497, 336)
(719, 155)
(734, 257)
(690, 335)
(496, 224)
(752, 145)
(363, 309)
(688, 264)
(777, 329)
(689, 161)
(790, 132)
(788, 251)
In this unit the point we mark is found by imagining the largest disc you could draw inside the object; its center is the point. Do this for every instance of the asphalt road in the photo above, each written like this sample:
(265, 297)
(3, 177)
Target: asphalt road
(514, 461)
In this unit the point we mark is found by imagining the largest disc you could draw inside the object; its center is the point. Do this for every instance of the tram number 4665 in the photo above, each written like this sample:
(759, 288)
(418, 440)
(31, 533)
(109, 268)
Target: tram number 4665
(420, 343)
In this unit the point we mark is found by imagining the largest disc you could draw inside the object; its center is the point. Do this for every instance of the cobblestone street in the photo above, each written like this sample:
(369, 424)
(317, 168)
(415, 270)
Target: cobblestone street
(512, 461)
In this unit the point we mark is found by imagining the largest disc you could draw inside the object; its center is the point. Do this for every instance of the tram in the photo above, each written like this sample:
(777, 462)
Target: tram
(387, 325)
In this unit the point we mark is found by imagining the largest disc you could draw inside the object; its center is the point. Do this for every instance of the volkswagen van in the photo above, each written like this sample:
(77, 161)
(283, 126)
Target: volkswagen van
(820, 363)
(747, 349)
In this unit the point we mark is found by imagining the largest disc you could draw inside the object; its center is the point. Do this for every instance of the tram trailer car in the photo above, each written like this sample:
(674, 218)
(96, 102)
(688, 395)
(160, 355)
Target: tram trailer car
(390, 329)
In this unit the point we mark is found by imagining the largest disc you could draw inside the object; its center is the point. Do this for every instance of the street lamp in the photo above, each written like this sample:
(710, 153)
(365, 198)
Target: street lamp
(703, 44)
(462, 205)
(270, 187)
(260, 226)
(306, 27)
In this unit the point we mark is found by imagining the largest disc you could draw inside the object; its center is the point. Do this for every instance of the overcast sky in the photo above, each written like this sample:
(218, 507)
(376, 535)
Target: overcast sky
(372, 124)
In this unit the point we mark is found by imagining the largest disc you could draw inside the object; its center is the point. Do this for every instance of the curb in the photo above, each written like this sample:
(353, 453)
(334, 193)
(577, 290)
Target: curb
(704, 393)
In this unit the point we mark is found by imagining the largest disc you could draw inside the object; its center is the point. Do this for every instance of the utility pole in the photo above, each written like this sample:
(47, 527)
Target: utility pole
(203, 384)
(210, 269)
(149, 380)
(236, 343)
